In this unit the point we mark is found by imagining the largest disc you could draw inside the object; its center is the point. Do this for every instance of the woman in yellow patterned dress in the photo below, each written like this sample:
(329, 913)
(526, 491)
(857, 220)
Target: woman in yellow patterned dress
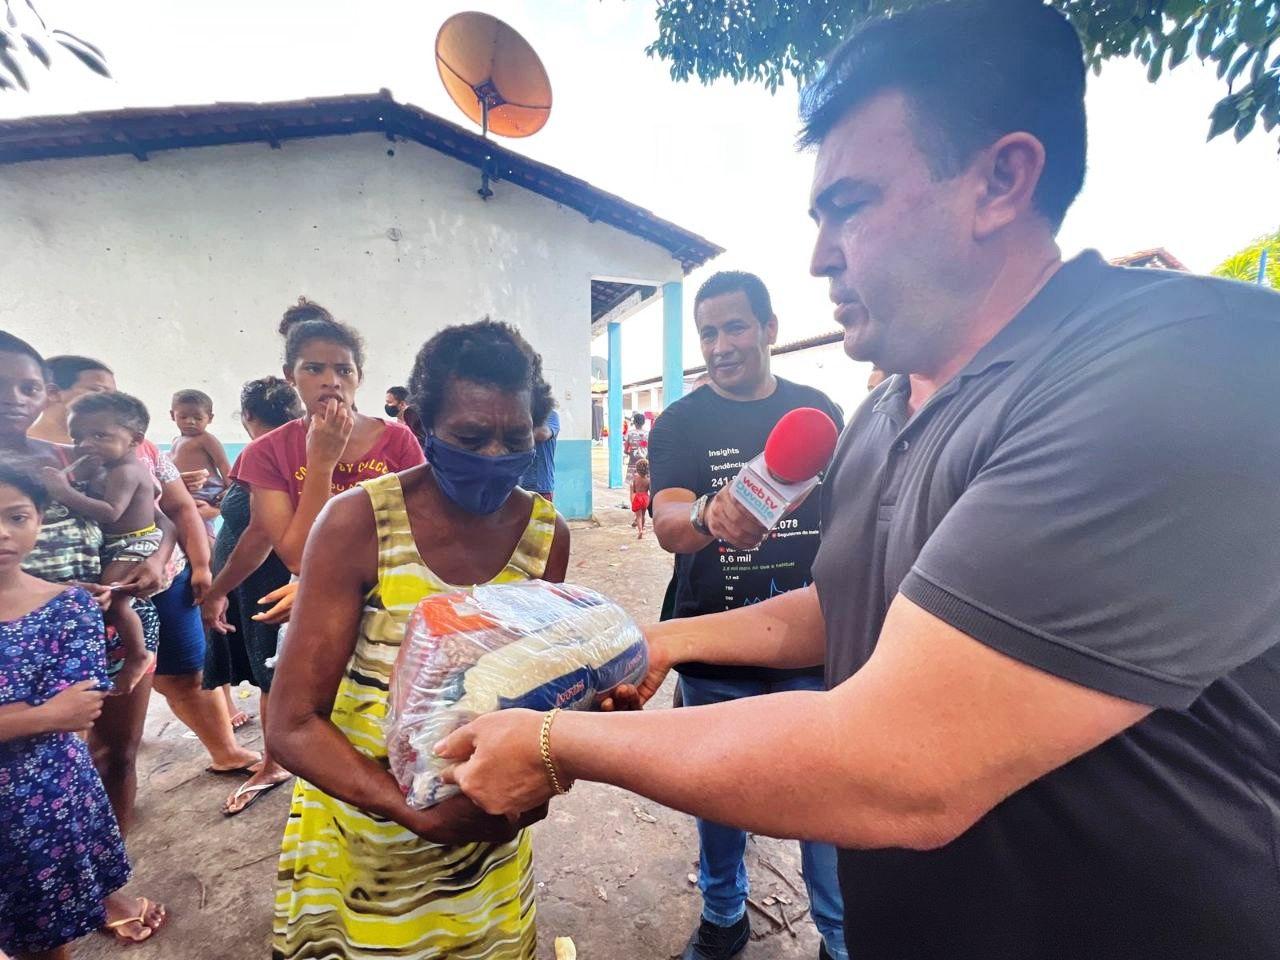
(361, 874)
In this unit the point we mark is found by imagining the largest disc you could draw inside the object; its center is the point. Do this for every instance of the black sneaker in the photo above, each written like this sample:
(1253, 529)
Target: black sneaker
(714, 942)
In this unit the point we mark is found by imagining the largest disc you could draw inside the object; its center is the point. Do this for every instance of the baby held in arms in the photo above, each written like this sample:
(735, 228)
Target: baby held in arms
(109, 485)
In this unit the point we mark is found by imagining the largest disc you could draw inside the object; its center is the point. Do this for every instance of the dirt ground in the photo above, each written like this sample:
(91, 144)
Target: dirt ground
(613, 871)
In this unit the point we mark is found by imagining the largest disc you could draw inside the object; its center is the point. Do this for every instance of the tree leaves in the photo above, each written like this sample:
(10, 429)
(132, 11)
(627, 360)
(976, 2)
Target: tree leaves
(9, 63)
(1243, 264)
(36, 50)
(16, 43)
(768, 41)
(89, 59)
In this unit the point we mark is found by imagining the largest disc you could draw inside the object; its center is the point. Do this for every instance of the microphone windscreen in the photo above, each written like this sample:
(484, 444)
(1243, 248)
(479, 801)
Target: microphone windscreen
(801, 445)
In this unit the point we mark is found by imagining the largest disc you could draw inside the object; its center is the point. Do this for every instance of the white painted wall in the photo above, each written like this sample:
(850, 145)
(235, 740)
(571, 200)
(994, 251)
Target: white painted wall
(828, 369)
(175, 271)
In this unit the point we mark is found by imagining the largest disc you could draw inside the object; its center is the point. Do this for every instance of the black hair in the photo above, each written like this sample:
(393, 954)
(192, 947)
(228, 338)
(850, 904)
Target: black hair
(11, 344)
(127, 411)
(400, 393)
(306, 321)
(271, 400)
(732, 281)
(638, 418)
(197, 397)
(485, 352)
(64, 370)
(30, 485)
(972, 71)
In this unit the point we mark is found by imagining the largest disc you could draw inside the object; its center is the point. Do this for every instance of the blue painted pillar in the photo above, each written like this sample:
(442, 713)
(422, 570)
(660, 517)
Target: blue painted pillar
(615, 405)
(672, 342)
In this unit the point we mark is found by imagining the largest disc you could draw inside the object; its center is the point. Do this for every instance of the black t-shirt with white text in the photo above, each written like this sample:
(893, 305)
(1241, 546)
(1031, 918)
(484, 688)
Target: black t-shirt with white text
(698, 444)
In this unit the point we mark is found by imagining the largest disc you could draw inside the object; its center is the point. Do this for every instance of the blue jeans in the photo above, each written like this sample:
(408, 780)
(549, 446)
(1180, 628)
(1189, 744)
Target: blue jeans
(722, 876)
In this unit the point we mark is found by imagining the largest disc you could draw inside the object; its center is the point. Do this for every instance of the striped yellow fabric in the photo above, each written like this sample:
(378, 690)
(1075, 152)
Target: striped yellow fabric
(352, 886)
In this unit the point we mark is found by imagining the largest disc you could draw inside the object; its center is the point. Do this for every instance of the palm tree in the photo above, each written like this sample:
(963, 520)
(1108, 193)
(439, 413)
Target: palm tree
(1243, 265)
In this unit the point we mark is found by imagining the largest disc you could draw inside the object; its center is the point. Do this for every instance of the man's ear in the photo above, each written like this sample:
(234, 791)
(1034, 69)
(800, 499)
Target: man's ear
(771, 329)
(1009, 171)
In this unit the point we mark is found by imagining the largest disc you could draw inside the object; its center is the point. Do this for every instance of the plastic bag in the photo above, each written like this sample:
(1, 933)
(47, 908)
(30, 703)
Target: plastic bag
(531, 644)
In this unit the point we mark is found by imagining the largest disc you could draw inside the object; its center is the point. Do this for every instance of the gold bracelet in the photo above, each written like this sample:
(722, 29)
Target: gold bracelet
(546, 754)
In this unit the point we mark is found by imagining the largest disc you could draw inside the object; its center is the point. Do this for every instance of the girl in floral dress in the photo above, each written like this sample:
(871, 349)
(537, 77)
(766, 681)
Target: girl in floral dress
(60, 848)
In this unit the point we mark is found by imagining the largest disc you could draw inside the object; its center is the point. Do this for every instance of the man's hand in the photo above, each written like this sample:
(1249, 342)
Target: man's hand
(282, 598)
(458, 820)
(498, 762)
(74, 709)
(328, 434)
(144, 579)
(201, 581)
(730, 521)
(213, 611)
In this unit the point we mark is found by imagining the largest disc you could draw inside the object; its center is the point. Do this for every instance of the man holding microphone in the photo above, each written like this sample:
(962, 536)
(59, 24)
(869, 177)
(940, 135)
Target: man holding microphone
(696, 448)
(1048, 592)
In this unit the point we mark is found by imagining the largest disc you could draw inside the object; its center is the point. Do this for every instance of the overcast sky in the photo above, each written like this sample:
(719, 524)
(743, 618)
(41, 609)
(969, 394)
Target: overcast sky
(717, 160)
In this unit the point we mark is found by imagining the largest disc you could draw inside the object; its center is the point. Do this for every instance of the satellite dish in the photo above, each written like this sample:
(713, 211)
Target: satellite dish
(494, 77)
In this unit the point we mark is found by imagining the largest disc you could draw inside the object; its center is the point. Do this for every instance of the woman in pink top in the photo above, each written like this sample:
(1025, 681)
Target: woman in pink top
(292, 471)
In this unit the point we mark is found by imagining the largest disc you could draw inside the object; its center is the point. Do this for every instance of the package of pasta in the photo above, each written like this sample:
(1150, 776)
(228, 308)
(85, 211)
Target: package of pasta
(533, 644)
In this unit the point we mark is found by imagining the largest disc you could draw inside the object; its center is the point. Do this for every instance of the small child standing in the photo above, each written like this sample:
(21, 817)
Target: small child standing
(197, 449)
(119, 495)
(60, 848)
(640, 495)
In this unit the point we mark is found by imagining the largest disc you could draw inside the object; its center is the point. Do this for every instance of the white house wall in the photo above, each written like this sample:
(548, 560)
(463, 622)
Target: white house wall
(830, 370)
(175, 271)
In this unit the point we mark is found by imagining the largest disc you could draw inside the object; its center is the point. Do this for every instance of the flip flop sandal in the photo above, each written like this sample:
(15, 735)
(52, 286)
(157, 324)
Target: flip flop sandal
(247, 769)
(113, 928)
(253, 793)
(245, 720)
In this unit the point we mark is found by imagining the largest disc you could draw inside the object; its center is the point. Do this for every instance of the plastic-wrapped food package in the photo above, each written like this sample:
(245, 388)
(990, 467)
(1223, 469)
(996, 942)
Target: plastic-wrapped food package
(532, 644)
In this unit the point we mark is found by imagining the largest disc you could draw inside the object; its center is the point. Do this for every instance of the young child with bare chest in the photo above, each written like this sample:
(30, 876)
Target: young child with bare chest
(109, 485)
(195, 448)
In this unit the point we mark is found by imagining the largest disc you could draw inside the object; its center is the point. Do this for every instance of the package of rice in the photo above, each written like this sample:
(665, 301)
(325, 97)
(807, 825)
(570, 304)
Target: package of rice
(533, 644)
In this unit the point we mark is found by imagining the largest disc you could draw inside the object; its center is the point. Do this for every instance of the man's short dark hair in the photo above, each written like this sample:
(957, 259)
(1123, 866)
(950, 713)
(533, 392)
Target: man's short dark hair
(972, 72)
(65, 370)
(400, 393)
(734, 281)
(194, 397)
(127, 411)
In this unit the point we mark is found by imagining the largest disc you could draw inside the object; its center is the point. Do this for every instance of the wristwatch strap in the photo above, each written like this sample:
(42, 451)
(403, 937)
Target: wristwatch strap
(698, 515)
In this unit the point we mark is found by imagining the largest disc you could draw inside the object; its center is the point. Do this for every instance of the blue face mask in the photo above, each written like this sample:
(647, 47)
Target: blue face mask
(476, 483)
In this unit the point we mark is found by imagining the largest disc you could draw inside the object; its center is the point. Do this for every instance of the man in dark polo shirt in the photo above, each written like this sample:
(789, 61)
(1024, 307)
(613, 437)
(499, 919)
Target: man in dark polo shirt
(1048, 590)
(695, 449)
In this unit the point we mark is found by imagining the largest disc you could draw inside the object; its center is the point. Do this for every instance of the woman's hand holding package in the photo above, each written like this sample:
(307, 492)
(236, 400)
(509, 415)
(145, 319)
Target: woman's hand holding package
(458, 820)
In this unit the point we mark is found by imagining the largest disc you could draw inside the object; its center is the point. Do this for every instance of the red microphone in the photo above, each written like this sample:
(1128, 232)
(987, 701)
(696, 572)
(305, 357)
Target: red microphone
(798, 449)
(800, 445)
